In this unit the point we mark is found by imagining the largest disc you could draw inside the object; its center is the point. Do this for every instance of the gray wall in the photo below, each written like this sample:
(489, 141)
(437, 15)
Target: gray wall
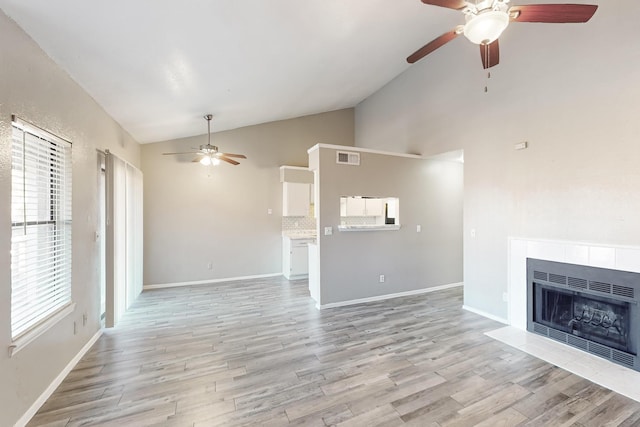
(569, 90)
(195, 214)
(429, 193)
(35, 89)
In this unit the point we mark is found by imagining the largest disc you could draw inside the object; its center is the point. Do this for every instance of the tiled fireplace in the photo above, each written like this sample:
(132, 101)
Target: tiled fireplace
(611, 257)
(590, 308)
(587, 365)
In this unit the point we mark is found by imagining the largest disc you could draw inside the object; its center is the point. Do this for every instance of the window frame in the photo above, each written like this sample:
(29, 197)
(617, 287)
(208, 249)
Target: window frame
(57, 189)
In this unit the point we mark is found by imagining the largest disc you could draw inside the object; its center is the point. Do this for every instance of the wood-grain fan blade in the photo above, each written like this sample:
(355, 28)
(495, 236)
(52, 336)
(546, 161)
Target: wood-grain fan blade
(239, 156)
(451, 4)
(552, 13)
(490, 54)
(433, 45)
(228, 160)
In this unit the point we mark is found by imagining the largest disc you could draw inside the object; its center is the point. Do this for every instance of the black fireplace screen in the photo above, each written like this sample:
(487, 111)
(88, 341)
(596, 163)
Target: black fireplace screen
(604, 321)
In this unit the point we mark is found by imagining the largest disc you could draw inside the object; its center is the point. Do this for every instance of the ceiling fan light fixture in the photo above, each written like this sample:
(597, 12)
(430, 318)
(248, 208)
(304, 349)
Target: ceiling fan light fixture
(215, 161)
(486, 27)
(205, 160)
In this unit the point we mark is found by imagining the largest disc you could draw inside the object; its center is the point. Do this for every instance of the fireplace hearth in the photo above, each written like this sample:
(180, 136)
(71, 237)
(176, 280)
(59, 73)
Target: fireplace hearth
(593, 309)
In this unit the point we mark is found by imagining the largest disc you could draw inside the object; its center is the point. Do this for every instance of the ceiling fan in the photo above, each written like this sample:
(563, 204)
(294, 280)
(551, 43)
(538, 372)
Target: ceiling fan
(485, 20)
(208, 154)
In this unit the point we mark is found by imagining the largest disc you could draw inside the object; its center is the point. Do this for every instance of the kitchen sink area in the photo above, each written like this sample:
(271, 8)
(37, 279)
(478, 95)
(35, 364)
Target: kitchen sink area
(298, 221)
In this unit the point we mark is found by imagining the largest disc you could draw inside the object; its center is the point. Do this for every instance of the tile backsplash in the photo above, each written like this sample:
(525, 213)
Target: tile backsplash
(298, 223)
(357, 220)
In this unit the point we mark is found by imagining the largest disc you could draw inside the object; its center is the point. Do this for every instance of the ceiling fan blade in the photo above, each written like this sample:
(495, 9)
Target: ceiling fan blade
(240, 156)
(196, 160)
(185, 152)
(490, 54)
(552, 13)
(451, 4)
(228, 160)
(433, 45)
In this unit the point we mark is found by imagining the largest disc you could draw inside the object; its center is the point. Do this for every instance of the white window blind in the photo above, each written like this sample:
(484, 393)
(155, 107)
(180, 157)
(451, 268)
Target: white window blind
(41, 227)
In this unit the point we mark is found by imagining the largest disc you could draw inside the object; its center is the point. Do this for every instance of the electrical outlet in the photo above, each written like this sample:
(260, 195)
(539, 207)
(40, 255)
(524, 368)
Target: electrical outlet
(505, 297)
(418, 228)
(210, 265)
(84, 319)
(382, 278)
(328, 231)
(520, 145)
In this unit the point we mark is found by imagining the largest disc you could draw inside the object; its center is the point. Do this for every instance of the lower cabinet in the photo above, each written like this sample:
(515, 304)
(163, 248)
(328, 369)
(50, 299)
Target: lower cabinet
(295, 258)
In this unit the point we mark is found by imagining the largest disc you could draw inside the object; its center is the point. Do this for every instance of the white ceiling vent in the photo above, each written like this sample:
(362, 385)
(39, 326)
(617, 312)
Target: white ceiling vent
(347, 158)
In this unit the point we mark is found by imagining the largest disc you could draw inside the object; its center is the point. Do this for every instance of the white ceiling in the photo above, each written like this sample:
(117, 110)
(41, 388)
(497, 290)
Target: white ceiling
(157, 66)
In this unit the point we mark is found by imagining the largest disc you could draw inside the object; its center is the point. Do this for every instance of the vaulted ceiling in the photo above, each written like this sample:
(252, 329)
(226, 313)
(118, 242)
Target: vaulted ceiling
(157, 66)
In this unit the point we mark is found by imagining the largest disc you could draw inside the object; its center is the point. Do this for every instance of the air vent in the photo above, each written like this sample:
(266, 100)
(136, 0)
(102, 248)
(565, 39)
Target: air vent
(539, 275)
(623, 358)
(623, 291)
(347, 158)
(577, 342)
(557, 335)
(556, 278)
(577, 283)
(600, 287)
(600, 350)
(540, 329)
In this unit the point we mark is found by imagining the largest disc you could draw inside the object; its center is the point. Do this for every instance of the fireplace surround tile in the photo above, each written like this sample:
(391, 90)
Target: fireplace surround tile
(577, 254)
(549, 251)
(628, 259)
(604, 257)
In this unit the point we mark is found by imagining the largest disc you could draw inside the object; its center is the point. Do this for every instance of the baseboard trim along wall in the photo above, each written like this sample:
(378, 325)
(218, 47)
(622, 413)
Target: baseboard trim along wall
(388, 296)
(205, 282)
(485, 314)
(56, 382)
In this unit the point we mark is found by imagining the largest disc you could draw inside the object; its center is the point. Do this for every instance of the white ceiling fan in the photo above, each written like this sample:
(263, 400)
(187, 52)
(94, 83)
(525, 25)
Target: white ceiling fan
(208, 154)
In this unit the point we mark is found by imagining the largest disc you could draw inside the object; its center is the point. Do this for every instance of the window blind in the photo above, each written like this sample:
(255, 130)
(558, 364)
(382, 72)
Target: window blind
(41, 226)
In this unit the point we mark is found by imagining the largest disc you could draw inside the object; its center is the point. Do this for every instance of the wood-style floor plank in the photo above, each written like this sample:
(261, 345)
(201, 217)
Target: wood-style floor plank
(257, 352)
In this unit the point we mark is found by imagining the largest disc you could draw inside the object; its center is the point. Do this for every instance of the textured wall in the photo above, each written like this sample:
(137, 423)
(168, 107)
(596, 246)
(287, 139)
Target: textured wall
(571, 92)
(37, 90)
(196, 215)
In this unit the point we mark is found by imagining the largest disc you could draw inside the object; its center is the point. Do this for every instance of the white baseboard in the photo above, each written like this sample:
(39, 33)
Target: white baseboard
(485, 314)
(388, 296)
(56, 382)
(205, 282)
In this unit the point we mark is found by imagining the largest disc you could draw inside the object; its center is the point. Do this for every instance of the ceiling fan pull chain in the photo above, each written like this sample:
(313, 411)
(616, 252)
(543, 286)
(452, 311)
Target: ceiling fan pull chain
(486, 55)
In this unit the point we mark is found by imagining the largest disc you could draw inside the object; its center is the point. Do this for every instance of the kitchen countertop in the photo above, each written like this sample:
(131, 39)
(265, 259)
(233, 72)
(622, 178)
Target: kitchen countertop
(299, 234)
(381, 227)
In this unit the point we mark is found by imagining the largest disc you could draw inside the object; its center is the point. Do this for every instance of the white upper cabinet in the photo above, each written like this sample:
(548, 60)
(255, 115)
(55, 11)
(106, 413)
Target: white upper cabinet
(361, 206)
(295, 199)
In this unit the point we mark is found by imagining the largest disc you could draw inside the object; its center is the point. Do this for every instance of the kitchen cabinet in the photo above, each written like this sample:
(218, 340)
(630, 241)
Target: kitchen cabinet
(361, 206)
(295, 199)
(295, 257)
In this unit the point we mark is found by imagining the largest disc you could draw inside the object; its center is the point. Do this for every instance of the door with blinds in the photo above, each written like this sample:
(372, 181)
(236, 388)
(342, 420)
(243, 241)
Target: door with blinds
(124, 237)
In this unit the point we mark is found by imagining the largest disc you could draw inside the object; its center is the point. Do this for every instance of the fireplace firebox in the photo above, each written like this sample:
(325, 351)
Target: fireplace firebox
(593, 309)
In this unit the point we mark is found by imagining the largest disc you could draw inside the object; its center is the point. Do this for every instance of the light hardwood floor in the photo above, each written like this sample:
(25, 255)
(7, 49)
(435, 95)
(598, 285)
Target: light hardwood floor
(259, 353)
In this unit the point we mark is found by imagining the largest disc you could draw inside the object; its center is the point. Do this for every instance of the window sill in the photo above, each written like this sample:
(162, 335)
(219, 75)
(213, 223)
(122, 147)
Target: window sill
(23, 340)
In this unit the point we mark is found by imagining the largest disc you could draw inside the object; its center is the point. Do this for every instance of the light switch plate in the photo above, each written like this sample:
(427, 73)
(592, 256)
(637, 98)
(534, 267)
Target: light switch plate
(418, 228)
(328, 231)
